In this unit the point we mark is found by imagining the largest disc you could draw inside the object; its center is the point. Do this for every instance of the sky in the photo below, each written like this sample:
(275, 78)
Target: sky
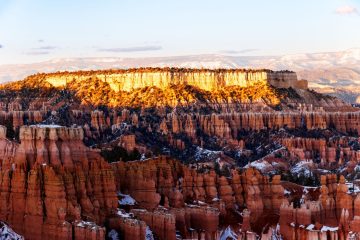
(39, 30)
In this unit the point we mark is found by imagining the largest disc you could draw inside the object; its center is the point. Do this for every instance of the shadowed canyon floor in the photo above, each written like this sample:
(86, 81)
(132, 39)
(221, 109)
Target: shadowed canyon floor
(168, 153)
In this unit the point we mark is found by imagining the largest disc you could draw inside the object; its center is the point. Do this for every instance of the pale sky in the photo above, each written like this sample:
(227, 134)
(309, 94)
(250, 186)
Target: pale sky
(38, 30)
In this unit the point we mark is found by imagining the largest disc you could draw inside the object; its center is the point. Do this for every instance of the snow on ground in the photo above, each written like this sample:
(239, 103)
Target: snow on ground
(310, 227)
(228, 234)
(202, 153)
(46, 126)
(302, 169)
(276, 233)
(6, 233)
(126, 199)
(149, 235)
(123, 214)
(331, 229)
(260, 165)
(352, 188)
(113, 235)
(83, 224)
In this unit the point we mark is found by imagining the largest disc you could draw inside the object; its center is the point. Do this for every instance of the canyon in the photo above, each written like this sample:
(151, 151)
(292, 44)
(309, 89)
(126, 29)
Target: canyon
(172, 153)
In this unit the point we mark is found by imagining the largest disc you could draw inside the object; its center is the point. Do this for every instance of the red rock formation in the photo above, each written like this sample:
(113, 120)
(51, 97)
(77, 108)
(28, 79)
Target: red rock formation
(128, 142)
(52, 182)
(98, 120)
(327, 218)
(164, 178)
(226, 192)
(160, 222)
(7, 149)
(237, 188)
(253, 199)
(309, 148)
(343, 200)
(130, 228)
(277, 193)
(328, 204)
(88, 230)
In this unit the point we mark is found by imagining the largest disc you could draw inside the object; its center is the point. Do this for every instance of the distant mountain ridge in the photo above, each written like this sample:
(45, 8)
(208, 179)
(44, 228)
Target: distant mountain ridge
(335, 70)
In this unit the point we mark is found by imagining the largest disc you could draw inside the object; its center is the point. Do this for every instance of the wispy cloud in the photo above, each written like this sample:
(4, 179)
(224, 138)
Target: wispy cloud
(45, 48)
(132, 49)
(41, 40)
(42, 50)
(37, 52)
(243, 51)
(1, 46)
(346, 10)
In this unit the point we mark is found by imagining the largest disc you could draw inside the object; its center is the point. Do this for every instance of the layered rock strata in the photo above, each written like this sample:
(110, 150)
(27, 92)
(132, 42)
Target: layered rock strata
(54, 183)
(153, 181)
(127, 80)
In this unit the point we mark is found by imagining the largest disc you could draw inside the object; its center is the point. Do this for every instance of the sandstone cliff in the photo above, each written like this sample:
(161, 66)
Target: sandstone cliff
(206, 79)
(52, 183)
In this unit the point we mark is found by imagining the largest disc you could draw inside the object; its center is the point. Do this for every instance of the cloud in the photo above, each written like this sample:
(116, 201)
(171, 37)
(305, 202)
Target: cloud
(38, 52)
(132, 49)
(45, 48)
(1, 46)
(346, 10)
(239, 51)
(41, 40)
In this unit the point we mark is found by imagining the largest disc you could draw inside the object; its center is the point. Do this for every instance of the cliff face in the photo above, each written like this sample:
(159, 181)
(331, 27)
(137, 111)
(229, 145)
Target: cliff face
(52, 183)
(53, 187)
(221, 90)
(208, 80)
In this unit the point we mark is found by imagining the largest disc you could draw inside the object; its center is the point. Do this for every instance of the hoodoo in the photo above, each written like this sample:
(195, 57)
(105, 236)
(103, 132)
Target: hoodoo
(108, 138)
(171, 153)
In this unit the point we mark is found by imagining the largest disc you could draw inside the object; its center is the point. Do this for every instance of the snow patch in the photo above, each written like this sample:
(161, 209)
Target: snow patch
(258, 165)
(84, 224)
(113, 235)
(228, 234)
(126, 199)
(202, 153)
(46, 126)
(123, 214)
(148, 234)
(302, 169)
(352, 188)
(6, 233)
(310, 227)
(331, 229)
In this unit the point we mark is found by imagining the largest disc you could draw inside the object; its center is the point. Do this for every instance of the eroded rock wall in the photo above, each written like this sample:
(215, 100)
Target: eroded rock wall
(53, 183)
(128, 80)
